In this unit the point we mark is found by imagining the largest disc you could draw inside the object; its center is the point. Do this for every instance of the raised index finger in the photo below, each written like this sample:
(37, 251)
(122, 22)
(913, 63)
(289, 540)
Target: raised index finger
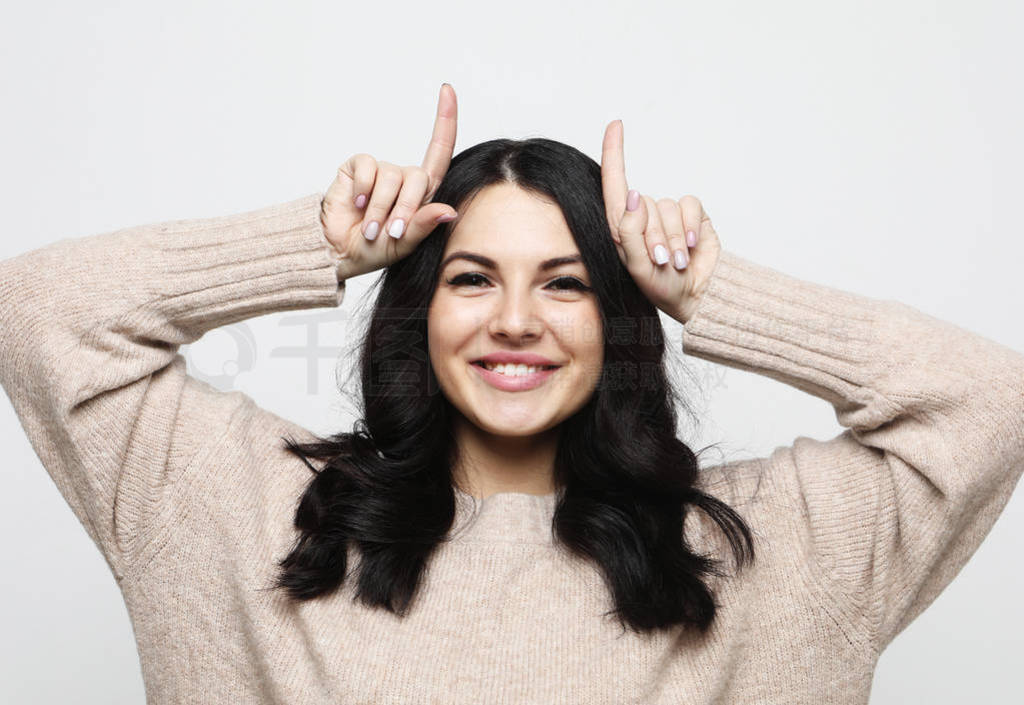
(613, 172)
(442, 141)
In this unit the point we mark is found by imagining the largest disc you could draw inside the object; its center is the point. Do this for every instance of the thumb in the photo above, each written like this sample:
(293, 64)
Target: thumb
(424, 221)
(631, 229)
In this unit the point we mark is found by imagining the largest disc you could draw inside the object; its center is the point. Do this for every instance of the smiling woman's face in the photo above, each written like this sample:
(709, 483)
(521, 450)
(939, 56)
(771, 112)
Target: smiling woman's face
(506, 301)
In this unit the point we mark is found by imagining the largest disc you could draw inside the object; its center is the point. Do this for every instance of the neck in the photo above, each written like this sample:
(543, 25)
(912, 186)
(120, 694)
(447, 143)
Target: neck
(490, 463)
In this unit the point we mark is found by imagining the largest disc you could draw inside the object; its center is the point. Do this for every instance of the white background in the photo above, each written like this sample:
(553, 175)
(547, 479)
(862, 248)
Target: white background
(871, 146)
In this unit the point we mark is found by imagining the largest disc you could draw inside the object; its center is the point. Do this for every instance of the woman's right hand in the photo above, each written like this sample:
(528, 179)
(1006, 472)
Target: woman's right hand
(374, 214)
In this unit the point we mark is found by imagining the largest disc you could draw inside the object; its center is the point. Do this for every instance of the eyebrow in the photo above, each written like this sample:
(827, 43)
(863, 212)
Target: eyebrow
(490, 263)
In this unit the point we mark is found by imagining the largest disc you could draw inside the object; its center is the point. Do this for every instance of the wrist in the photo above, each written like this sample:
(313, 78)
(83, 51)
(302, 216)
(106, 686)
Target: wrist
(688, 309)
(340, 264)
(339, 261)
(684, 314)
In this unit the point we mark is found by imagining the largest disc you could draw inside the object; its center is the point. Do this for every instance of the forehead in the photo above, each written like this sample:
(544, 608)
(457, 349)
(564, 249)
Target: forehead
(506, 218)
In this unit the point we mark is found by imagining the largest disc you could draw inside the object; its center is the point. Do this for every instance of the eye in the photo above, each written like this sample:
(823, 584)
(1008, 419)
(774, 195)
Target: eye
(570, 283)
(473, 279)
(467, 278)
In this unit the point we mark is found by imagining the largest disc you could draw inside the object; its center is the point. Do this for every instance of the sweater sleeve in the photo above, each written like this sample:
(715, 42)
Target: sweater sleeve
(89, 335)
(886, 513)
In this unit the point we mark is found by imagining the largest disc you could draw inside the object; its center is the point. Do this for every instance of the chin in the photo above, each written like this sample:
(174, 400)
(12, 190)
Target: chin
(512, 431)
(498, 426)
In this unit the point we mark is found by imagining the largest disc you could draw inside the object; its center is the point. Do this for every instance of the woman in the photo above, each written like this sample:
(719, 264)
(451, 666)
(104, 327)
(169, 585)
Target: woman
(487, 534)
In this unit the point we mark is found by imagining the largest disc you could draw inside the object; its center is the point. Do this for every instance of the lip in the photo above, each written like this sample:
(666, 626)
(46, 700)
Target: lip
(516, 358)
(519, 383)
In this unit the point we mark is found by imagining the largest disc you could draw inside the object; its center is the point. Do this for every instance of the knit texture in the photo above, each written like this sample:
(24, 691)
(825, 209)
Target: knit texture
(189, 495)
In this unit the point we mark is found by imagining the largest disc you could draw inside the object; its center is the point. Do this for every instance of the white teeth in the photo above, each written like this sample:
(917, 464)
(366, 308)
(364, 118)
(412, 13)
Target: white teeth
(512, 370)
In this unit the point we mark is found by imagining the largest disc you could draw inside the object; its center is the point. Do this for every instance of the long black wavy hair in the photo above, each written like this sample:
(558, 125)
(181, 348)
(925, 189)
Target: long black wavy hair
(625, 481)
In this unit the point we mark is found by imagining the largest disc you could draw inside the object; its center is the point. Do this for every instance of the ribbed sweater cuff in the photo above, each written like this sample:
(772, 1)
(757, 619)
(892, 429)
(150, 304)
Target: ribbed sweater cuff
(816, 338)
(210, 272)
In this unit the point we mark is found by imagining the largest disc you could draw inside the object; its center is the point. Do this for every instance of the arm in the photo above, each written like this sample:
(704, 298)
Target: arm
(891, 509)
(89, 335)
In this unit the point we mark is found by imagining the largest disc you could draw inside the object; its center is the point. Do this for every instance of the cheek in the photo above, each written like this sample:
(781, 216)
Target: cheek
(582, 334)
(450, 325)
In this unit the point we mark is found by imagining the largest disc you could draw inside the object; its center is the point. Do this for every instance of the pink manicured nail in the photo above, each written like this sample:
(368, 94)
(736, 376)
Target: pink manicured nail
(445, 217)
(691, 239)
(632, 200)
(360, 200)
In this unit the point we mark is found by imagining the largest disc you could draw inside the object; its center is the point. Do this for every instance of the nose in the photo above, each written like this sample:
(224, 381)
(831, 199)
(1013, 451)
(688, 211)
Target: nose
(515, 318)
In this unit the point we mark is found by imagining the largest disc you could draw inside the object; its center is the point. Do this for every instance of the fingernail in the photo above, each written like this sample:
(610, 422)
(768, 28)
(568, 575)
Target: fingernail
(680, 259)
(691, 239)
(632, 200)
(371, 230)
(660, 254)
(445, 217)
(360, 200)
(395, 230)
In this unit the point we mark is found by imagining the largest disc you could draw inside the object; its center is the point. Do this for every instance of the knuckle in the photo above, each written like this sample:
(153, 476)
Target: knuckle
(354, 162)
(441, 142)
(390, 172)
(405, 205)
(377, 209)
(417, 173)
(364, 161)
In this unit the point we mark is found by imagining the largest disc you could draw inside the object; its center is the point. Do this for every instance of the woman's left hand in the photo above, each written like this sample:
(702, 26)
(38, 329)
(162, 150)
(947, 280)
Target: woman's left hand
(646, 230)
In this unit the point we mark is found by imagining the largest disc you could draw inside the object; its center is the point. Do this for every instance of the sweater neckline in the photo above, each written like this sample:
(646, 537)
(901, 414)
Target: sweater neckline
(504, 517)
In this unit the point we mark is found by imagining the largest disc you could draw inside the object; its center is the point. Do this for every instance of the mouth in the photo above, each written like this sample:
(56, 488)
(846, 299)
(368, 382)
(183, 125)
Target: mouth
(514, 378)
(513, 370)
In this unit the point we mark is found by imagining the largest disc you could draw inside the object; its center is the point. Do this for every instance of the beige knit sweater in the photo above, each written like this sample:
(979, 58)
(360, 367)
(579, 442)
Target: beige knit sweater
(188, 494)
